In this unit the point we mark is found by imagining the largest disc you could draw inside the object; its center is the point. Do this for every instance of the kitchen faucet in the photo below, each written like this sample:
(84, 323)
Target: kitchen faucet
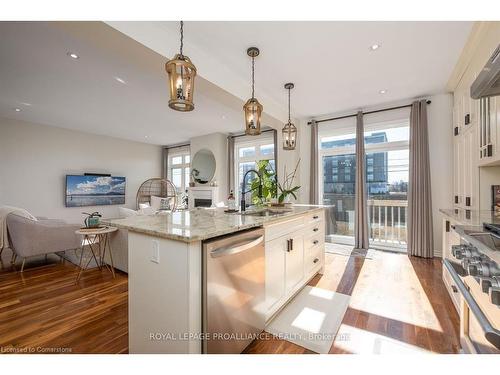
(243, 192)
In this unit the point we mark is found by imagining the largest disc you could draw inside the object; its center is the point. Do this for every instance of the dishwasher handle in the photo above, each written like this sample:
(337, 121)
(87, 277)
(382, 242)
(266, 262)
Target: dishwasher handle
(237, 247)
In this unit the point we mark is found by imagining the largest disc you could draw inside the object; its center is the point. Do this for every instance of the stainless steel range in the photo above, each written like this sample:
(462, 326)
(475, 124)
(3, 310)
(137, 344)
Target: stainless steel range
(473, 266)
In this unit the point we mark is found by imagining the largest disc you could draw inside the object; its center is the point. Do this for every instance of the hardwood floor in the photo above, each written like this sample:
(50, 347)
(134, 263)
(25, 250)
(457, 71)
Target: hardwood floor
(43, 310)
(398, 304)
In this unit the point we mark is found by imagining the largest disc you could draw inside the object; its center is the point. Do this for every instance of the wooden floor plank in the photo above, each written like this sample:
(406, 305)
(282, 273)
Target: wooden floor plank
(392, 296)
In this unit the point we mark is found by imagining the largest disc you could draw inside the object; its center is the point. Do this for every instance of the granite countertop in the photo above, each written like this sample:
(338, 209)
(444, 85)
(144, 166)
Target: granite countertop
(470, 217)
(201, 224)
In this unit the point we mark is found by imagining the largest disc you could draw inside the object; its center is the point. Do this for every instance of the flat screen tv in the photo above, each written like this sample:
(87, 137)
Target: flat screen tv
(94, 190)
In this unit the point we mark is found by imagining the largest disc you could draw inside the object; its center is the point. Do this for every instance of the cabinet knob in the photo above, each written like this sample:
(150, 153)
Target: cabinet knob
(315, 242)
(316, 260)
(315, 217)
(467, 201)
(456, 199)
(315, 229)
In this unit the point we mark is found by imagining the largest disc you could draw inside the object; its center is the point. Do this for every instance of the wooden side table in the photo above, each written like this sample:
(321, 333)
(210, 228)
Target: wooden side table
(97, 241)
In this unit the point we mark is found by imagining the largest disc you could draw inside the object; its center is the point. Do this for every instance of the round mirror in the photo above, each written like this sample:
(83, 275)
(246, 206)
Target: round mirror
(203, 166)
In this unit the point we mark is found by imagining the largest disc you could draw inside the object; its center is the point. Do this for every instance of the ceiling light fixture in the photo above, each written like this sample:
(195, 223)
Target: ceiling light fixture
(252, 108)
(73, 55)
(382, 91)
(118, 79)
(181, 74)
(17, 109)
(289, 131)
(375, 47)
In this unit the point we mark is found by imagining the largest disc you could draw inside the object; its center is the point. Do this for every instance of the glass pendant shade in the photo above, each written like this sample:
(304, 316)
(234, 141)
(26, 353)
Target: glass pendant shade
(181, 75)
(289, 132)
(253, 113)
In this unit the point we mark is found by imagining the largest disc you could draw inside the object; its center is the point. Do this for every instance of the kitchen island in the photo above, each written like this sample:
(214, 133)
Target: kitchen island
(166, 268)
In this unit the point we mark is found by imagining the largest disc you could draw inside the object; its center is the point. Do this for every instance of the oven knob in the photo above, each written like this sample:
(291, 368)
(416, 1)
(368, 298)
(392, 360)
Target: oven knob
(495, 295)
(458, 251)
(474, 269)
(488, 282)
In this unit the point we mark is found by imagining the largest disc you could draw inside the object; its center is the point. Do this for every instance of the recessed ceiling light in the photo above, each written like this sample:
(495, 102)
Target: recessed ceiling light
(121, 80)
(223, 117)
(17, 109)
(73, 55)
(374, 47)
(383, 91)
(26, 104)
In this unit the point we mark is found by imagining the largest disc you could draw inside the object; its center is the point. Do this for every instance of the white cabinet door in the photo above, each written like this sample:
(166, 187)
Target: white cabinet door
(294, 262)
(275, 271)
(471, 171)
(460, 169)
(456, 176)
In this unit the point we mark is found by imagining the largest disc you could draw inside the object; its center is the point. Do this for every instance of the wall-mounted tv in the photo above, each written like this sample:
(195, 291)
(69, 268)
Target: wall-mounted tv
(94, 190)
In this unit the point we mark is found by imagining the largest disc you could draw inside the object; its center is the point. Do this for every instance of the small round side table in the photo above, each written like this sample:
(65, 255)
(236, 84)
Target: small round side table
(97, 241)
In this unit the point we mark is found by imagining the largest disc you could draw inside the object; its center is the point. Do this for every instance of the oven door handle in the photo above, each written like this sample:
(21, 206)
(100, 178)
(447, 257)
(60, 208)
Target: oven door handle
(490, 333)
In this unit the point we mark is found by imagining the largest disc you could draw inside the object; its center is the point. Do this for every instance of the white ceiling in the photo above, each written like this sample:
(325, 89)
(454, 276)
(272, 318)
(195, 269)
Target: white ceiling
(83, 95)
(330, 63)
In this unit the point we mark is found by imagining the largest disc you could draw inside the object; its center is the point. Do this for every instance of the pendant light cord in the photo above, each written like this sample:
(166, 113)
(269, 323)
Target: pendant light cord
(182, 37)
(289, 121)
(253, 77)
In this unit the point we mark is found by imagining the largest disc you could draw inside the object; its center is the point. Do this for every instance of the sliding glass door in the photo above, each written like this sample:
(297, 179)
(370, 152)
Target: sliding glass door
(387, 160)
(337, 179)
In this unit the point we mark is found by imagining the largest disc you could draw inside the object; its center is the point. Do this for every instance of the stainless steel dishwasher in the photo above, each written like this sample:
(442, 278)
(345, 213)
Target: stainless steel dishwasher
(233, 291)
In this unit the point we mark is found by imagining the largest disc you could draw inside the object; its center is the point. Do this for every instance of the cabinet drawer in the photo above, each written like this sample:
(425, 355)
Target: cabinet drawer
(283, 228)
(314, 217)
(313, 259)
(315, 228)
(452, 290)
(317, 239)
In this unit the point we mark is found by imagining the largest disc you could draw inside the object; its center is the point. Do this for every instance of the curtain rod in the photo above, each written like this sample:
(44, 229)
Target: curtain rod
(366, 113)
(243, 135)
(177, 145)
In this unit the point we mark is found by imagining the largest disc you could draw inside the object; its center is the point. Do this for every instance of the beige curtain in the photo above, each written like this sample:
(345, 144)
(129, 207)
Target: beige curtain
(230, 164)
(164, 160)
(360, 211)
(419, 226)
(314, 171)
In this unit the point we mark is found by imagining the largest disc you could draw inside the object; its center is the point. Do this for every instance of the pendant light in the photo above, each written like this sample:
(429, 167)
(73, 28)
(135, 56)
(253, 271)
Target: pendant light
(181, 74)
(252, 108)
(289, 131)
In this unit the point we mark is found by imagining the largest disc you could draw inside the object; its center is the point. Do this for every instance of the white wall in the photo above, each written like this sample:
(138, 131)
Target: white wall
(34, 160)
(217, 143)
(440, 119)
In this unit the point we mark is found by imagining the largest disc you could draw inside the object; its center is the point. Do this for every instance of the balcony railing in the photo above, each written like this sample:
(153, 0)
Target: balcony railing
(387, 221)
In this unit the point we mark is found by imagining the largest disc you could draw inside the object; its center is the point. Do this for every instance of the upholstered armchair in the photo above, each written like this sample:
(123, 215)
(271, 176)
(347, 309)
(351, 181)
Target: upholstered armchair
(41, 237)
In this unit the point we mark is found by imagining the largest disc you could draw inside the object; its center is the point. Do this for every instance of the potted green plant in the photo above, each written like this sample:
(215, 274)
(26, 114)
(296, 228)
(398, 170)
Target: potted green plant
(272, 190)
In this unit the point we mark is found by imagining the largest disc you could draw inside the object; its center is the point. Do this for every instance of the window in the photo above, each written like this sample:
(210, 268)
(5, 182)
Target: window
(387, 161)
(248, 151)
(179, 168)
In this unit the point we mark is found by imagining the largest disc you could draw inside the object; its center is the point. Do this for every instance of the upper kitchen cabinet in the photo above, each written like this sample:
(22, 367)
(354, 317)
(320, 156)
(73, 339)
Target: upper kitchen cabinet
(476, 122)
